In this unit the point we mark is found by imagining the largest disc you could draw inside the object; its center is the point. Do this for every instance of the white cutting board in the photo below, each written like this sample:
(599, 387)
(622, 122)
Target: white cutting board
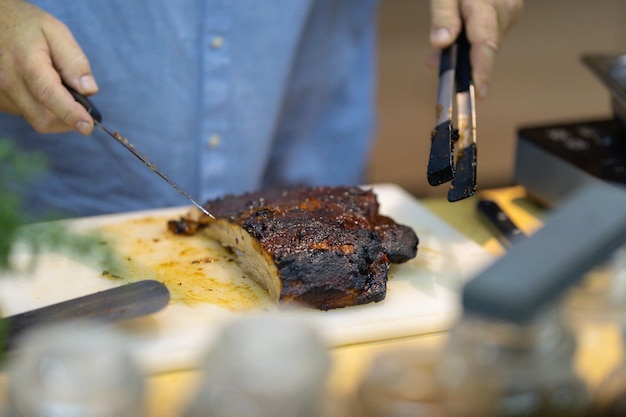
(422, 295)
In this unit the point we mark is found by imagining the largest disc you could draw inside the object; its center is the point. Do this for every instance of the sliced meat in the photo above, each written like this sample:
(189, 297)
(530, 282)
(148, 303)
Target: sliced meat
(324, 247)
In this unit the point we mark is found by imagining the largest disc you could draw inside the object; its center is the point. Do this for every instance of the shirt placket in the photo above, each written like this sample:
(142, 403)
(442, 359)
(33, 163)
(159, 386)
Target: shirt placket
(215, 91)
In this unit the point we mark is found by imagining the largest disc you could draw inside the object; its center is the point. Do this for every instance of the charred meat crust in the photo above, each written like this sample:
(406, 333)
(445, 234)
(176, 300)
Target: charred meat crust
(327, 246)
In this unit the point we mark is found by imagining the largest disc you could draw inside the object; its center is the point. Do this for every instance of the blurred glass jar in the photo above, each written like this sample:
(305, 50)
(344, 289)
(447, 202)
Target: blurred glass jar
(609, 399)
(401, 383)
(263, 366)
(77, 369)
(494, 368)
(601, 295)
(595, 309)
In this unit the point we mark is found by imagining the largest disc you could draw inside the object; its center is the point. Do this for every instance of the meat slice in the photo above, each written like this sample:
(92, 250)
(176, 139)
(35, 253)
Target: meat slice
(323, 247)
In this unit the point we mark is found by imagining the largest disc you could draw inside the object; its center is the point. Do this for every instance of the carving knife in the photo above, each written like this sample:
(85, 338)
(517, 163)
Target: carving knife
(125, 302)
(97, 117)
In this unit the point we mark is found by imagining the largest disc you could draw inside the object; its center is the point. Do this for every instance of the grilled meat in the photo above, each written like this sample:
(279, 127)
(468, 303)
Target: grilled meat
(324, 247)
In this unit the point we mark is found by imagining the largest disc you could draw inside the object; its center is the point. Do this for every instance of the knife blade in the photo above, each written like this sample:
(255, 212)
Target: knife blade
(97, 118)
(125, 302)
(509, 233)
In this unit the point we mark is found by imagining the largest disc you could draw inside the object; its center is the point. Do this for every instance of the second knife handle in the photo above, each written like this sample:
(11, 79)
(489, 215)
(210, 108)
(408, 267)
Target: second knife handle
(500, 221)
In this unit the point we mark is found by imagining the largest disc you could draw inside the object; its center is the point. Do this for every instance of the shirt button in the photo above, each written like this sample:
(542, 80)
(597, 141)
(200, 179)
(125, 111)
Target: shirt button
(217, 42)
(214, 141)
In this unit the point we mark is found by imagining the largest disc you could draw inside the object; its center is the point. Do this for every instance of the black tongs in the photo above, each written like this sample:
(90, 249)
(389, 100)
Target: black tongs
(444, 164)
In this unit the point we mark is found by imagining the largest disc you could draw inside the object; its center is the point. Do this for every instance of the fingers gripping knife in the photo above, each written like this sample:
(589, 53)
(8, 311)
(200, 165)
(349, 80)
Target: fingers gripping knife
(445, 164)
(97, 118)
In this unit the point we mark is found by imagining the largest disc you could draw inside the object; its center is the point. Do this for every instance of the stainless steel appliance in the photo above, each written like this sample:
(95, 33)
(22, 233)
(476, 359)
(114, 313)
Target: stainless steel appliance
(554, 160)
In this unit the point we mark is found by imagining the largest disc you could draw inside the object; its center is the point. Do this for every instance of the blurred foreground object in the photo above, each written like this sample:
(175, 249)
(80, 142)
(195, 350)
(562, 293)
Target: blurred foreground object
(263, 366)
(506, 369)
(596, 309)
(401, 383)
(610, 399)
(59, 372)
(16, 170)
(576, 237)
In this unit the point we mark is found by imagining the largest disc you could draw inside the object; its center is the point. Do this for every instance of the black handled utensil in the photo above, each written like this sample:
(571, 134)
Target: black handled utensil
(453, 154)
(97, 117)
(496, 217)
(125, 302)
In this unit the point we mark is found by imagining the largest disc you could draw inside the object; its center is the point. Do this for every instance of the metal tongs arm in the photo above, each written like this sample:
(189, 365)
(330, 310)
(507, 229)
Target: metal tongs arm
(464, 182)
(455, 84)
(441, 161)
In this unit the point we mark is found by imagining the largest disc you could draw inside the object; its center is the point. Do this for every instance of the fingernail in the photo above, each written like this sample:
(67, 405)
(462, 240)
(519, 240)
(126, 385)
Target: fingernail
(482, 90)
(83, 127)
(440, 36)
(88, 84)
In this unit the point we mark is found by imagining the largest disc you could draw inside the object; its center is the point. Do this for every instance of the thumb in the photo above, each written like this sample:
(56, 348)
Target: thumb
(445, 22)
(69, 60)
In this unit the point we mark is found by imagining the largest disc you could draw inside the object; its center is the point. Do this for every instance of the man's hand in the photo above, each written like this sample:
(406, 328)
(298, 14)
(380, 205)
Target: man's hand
(37, 53)
(486, 22)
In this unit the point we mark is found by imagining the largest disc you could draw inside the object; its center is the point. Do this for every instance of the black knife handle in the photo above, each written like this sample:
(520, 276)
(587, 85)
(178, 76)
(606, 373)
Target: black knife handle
(500, 221)
(86, 103)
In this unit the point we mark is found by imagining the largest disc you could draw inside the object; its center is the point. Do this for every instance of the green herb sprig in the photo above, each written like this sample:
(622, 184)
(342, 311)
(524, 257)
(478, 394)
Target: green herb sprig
(17, 170)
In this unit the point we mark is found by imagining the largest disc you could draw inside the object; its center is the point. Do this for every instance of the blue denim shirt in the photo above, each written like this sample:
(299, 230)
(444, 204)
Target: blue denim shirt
(223, 96)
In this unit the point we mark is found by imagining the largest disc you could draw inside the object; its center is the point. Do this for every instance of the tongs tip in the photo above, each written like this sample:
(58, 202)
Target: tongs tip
(441, 160)
(464, 184)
